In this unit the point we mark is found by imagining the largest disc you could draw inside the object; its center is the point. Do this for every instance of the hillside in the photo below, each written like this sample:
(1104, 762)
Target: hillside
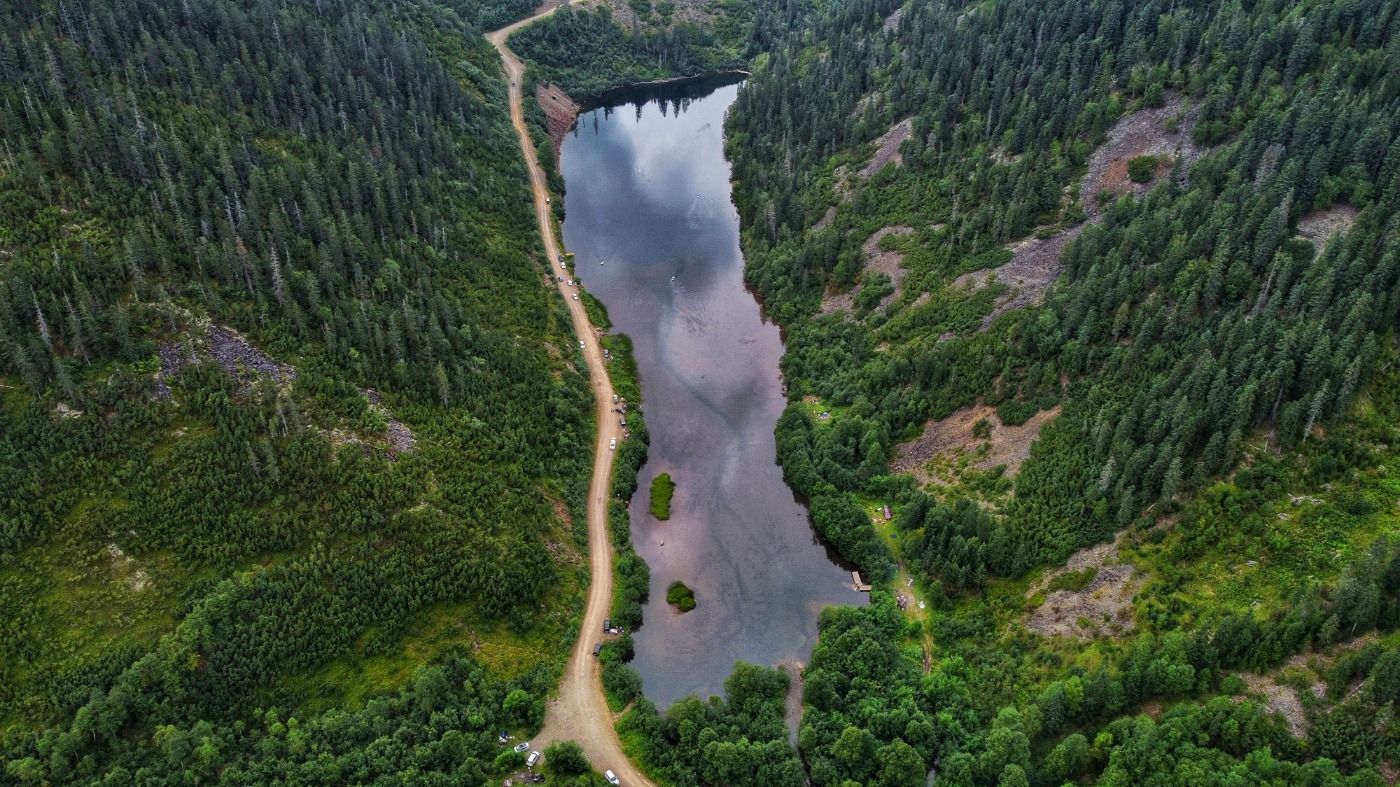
(293, 442)
(1100, 299)
(1090, 316)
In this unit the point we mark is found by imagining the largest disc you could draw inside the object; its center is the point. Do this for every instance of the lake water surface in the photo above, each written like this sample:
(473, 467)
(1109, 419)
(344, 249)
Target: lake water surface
(648, 197)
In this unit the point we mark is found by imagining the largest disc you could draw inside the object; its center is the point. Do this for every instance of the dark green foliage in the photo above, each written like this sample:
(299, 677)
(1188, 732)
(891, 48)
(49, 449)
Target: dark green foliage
(337, 181)
(1184, 320)
(445, 722)
(566, 757)
(621, 683)
(866, 719)
(586, 52)
(680, 596)
(740, 740)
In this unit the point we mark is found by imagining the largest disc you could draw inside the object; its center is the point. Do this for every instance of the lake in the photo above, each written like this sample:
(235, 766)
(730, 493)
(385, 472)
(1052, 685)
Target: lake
(656, 239)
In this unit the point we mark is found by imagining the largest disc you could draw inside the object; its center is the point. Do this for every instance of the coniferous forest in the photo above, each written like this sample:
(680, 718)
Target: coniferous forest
(294, 441)
(291, 439)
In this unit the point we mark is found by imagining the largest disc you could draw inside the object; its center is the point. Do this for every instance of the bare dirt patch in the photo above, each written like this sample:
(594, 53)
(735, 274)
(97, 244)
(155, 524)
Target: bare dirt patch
(560, 112)
(1282, 700)
(1101, 607)
(697, 12)
(1008, 446)
(1321, 226)
(887, 148)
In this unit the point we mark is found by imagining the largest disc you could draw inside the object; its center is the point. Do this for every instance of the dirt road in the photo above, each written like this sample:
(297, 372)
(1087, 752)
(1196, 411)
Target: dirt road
(579, 712)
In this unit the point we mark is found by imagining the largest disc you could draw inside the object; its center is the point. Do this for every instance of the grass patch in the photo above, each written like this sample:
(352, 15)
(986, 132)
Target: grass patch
(680, 596)
(1072, 580)
(662, 488)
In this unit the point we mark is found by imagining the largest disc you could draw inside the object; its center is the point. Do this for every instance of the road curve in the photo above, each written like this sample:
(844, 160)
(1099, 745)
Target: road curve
(580, 711)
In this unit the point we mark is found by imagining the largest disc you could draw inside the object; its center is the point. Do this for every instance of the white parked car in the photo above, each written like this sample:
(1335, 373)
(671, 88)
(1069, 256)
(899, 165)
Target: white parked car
(612, 444)
(611, 777)
(575, 296)
(533, 759)
(523, 746)
(580, 344)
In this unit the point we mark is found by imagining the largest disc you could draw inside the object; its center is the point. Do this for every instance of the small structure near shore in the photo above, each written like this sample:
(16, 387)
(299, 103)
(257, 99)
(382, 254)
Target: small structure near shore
(859, 585)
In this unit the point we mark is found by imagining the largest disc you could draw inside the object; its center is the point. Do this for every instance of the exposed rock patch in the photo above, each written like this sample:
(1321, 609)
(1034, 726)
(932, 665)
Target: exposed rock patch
(887, 262)
(127, 570)
(1036, 263)
(887, 148)
(1281, 700)
(834, 302)
(1321, 226)
(1007, 446)
(242, 361)
(877, 260)
(892, 21)
(246, 364)
(1146, 132)
(1101, 607)
(401, 438)
(560, 112)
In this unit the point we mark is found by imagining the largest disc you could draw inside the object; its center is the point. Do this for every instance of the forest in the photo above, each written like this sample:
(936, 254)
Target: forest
(1213, 344)
(291, 442)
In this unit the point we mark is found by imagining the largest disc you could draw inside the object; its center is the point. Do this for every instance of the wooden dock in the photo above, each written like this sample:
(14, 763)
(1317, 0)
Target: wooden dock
(859, 585)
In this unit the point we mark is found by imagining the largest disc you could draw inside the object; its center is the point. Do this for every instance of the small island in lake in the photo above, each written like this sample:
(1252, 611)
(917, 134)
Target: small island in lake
(662, 487)
(680, 596)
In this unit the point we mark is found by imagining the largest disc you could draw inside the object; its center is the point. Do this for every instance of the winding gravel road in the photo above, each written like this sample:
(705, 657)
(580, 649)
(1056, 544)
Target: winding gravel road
(580, 711)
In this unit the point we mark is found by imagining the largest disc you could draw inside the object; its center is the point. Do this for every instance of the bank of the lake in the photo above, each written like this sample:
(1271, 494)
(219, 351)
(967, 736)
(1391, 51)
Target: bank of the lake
(649, 218)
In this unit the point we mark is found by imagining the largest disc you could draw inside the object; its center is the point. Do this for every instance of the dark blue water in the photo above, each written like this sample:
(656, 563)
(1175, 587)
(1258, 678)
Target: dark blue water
(648, 196)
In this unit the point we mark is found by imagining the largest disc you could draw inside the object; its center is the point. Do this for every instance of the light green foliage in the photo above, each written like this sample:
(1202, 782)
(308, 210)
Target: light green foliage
(662, 488)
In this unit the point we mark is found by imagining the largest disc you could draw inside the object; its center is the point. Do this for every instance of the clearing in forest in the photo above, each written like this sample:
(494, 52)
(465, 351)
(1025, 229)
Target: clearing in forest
(1090, 597)
(973, 432)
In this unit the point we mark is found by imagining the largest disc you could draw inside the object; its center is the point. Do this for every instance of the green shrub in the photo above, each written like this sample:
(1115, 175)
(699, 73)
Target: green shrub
(566, 757)
(662, 487)
(1142, 169)
(680, 596)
